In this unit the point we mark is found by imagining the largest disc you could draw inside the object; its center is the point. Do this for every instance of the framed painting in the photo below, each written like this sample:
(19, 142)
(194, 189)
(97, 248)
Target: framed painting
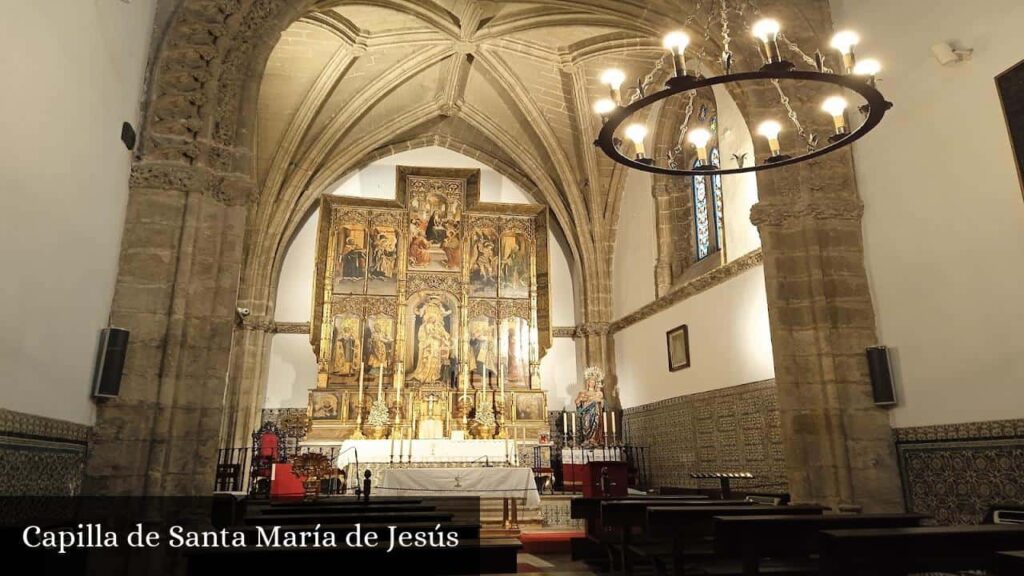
(531, 406)
(324, 405)
(678, 341)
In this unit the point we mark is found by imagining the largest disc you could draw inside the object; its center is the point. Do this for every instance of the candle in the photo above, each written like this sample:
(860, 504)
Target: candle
(401, 449)
(360, 408)
(574, 426)
(392, 457)
(613, 426)
(512, 409)
(380, 383)
(604, 425)
(565, 423)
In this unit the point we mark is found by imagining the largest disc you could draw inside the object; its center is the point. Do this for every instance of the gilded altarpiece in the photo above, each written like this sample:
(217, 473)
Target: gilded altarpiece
(438, 303)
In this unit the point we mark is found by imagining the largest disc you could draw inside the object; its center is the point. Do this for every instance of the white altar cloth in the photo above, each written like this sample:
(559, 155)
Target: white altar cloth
(477, 452)
(482, 482)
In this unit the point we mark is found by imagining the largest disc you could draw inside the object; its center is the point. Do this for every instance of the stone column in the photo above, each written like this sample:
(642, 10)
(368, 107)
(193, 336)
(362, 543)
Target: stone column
(673, 218)
(838, 444)
(176, 292)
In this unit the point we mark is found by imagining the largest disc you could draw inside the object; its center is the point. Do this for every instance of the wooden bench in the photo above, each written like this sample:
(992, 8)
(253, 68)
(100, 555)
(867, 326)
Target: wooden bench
(686, 526)
(900, 551)
(753, 538)
(622, 517)
(1008, 563)
(597, 541)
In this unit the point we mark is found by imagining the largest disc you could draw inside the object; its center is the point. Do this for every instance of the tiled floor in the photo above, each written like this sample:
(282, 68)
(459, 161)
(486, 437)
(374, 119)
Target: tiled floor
(551, 565)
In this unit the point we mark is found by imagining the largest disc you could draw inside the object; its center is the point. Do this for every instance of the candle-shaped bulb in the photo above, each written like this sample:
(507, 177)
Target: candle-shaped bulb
(676, 43)
(867, 67)
(835, 106)
(844, 42)
(613, 79)
(770, 129)
(767, 31)
(700, 137)
(604, 107)
(637, 133)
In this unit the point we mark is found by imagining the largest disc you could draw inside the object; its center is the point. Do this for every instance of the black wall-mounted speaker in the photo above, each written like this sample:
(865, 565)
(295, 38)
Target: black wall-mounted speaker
(128, 135)
(110, 362)
(881, 376)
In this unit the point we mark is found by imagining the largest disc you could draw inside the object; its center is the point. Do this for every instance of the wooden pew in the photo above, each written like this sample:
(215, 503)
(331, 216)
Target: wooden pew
(597, 540)
(1009, 563)
(752, 538)
(687, 525)
(621, 517)
(900, 551)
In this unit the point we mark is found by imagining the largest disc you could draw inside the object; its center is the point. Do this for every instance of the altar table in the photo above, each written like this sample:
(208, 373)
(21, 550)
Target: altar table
(495, 482)
(477, 452)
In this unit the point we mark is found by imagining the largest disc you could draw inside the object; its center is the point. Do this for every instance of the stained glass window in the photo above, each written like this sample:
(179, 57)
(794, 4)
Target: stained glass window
(708, 210)
(700, 214)
(716, 190)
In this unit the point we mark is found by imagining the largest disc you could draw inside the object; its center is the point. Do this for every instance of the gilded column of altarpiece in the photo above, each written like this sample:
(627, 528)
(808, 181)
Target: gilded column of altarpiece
(427, 295)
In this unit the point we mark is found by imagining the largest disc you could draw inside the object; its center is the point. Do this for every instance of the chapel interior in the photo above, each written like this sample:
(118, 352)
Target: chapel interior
(656, 286)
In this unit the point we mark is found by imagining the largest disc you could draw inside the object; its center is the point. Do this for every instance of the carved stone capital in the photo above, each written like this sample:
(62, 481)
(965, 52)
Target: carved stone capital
(766, 213)
(228, 189)
(592, 329)
(257, 324)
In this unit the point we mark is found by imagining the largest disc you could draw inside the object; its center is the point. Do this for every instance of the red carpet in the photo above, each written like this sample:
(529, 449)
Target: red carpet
(548, 542)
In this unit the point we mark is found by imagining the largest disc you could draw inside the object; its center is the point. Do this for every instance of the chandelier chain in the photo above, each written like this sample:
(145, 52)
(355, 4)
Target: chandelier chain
(810, 139)
(726, 53)
(683, 128)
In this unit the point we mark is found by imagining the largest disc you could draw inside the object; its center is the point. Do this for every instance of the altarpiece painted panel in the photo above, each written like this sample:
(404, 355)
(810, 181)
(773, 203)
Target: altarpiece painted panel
(427, 293)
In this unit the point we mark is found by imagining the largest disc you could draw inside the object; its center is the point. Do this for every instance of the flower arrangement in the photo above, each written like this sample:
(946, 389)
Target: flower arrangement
(378, 414)
(485, 417)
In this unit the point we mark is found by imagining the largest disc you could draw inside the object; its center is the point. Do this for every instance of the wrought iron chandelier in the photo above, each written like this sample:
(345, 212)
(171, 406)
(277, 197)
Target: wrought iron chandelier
(855, 76)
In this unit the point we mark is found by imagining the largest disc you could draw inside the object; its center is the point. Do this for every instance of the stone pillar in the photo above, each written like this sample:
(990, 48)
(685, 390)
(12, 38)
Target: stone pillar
(673, 218)
(838, 444)
(176, 292)
(246, 387)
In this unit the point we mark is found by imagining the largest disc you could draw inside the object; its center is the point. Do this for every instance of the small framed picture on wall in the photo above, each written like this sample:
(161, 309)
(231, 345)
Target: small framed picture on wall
(678, 340)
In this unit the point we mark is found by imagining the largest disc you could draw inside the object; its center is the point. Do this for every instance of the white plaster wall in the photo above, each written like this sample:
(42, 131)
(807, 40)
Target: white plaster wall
(944, 218)
(730, 343)
(739, 191)
(636, 246)
(72, 73)
(292, 370)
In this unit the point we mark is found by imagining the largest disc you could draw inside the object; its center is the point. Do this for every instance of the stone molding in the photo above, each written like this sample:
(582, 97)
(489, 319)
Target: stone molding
(257, 324)
(776, 214)
(989, 430)
(592, 329)
(290, 328)
(563, 331)
(21, 425)
(692, 288)
(718, 392)
(228, 189)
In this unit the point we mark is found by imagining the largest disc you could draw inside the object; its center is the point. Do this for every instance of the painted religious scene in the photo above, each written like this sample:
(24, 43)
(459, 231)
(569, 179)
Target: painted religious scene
(428, 299)
(432, 350)
(435, 224)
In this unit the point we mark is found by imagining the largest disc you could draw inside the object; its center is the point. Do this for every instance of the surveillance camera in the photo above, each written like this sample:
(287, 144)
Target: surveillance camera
(243, 312)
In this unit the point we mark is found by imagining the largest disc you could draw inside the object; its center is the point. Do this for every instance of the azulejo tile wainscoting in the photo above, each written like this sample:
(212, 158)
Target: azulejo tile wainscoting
(954, 472)
(733, 429)
(41, 456)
